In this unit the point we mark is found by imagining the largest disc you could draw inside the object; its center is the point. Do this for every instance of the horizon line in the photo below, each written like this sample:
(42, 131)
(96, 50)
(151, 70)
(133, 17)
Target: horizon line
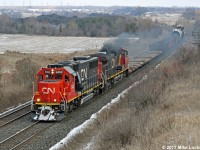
(94, 6)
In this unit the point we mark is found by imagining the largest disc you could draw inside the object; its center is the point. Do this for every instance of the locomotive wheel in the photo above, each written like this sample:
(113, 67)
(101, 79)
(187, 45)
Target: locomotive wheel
(77, 103)
(102, 90)
(96, 92)
(126, 73)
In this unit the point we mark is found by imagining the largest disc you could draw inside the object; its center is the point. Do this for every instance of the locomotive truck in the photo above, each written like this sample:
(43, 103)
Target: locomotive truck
(66, 85)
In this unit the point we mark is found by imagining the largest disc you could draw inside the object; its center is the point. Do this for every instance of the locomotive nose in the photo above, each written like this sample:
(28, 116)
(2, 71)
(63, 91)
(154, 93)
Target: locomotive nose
(50, 92)
(48, 106)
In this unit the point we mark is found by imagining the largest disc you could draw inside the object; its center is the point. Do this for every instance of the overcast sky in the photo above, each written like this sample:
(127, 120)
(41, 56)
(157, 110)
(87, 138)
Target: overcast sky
(101, 2)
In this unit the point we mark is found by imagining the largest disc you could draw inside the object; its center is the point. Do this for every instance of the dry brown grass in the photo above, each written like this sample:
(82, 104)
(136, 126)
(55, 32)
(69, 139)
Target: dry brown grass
(182, 99)
(18, 70)
(162, 110)
(174, 121)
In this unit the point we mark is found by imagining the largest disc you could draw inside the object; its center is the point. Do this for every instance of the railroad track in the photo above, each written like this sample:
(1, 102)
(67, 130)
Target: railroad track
(14, 110)
(14, 115)
(26, 134)
(14, 119)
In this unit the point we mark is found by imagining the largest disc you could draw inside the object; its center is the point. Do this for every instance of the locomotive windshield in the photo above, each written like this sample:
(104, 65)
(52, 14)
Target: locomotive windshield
(53, 74)
(49, 76)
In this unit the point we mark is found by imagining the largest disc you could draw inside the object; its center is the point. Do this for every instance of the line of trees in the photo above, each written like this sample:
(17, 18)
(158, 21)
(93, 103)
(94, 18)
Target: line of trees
(55, 25)
(192, 14)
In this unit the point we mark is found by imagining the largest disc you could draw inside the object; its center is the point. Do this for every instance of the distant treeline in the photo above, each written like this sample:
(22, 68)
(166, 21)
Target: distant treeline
(55, 25)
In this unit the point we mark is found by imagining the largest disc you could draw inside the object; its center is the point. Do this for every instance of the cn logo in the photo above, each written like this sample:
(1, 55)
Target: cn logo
(83, 74)
(48, 90)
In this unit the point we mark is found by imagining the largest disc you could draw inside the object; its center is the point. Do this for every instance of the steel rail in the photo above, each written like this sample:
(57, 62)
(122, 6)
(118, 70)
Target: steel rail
(14, 135)
(9, 112)
(15, 119)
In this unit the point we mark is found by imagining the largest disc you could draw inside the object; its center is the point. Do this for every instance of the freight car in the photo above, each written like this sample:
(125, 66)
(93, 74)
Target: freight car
(66, 85)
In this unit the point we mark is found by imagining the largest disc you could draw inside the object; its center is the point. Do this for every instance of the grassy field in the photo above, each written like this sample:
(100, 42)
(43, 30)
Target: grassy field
(161, 112)
(46, 44)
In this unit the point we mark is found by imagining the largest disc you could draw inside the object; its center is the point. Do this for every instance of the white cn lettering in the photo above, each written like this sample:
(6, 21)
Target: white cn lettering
(48, 90)
(83, 74)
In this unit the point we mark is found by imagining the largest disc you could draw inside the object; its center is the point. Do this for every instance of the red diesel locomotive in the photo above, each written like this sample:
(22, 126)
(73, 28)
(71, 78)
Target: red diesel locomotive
(66, 85)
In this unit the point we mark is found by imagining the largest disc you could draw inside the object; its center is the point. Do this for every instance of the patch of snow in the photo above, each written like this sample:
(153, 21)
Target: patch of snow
(157, 66)
(46, 44)
(136, 38)
(73, 133)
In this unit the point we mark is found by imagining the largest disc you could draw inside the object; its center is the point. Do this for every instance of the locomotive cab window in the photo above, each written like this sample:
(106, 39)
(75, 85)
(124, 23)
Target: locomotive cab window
(58, 76)
(66, 78)
(49, 76)
(40, 77)
(123, 53)
(126, 53)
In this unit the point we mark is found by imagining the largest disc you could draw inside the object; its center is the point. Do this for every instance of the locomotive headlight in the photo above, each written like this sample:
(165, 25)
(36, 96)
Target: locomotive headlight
(52, 71)
(38, 99)
(54, 100)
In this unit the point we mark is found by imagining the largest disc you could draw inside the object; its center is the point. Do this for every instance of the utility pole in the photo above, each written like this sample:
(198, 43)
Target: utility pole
(196, 35)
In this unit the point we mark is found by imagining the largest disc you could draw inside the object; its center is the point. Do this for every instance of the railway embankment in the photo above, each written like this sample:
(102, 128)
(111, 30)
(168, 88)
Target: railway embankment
(161, 112)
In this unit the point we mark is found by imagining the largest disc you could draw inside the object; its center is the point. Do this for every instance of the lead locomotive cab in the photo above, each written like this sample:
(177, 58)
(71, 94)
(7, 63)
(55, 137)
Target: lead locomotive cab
(64, 86)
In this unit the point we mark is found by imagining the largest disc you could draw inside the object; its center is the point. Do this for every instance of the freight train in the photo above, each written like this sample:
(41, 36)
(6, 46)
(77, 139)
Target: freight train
(66, 85)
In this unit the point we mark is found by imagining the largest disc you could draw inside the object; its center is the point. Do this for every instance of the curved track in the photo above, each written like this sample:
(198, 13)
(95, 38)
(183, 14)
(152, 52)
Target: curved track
(24, 135)
(14, 114)
(4, 123)
(14, 110)
(14, 122)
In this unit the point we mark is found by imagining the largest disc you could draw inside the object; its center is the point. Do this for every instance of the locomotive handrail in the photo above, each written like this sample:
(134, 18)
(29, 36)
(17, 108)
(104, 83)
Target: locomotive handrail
(63, 97)
(112, 70)
(93, 80)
